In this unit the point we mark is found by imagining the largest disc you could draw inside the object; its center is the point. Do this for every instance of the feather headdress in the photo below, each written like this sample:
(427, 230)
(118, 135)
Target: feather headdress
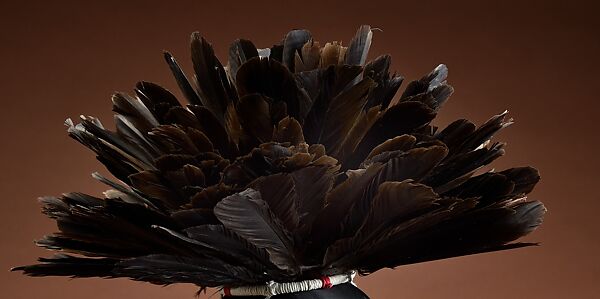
(289, 163)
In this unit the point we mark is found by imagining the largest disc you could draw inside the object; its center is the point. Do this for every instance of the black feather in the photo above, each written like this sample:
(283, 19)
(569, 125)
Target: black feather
(290, 163)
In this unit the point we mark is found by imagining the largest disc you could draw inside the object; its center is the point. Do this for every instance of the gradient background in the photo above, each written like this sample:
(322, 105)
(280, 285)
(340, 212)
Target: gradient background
(537, 59)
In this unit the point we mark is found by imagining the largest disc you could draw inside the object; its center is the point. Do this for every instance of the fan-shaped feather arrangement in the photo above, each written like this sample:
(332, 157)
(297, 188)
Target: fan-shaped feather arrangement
(289, 163)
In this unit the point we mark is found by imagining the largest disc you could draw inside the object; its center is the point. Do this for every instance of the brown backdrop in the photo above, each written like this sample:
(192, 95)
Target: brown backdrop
(537, 59)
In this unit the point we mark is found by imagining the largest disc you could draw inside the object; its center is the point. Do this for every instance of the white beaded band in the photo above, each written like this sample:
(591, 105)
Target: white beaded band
(275, 288)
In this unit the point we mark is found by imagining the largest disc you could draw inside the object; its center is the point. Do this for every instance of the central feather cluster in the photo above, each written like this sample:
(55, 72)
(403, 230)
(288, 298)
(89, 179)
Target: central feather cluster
(289, 163)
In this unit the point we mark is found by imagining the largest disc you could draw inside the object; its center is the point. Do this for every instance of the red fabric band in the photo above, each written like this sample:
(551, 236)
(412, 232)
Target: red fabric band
(227, 291)
(326, 282)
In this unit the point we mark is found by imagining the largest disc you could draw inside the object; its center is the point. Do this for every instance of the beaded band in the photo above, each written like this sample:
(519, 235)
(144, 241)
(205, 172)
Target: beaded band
(275, 288)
